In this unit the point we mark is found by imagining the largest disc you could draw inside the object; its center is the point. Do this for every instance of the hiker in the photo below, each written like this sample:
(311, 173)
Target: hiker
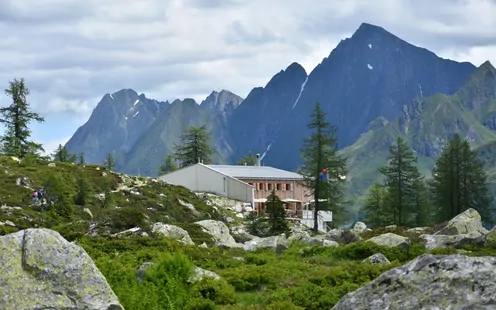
(35, 196)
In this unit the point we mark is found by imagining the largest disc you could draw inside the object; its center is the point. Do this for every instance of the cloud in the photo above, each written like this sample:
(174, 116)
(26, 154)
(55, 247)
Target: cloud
(73, 52)
(51, 145)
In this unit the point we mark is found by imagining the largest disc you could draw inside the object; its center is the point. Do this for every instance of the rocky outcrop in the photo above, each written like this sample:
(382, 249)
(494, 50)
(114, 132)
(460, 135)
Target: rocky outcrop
(220, 232)
(273, 242)
(465, 228)
(429, 282)
(42, 270)
(172, 232)
(391, 240)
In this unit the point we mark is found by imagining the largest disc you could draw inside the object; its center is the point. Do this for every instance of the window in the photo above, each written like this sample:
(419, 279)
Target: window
(269, 186)
(288, 186)
(278, 186)
(260, 186)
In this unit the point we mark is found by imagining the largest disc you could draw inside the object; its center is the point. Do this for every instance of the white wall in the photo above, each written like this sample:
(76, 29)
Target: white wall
(199, 178)
(324, 217)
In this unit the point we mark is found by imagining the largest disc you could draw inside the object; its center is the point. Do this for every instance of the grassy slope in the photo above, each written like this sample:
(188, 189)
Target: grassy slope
(426, 125)
(303, 277)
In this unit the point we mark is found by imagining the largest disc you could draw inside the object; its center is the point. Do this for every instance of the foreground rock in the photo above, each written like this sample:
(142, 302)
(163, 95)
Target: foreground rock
(429, 282)
(41, 270)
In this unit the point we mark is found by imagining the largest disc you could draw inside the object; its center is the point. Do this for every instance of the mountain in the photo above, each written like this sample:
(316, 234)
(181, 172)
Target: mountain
(140, 132)
(427, 124)
(366, 82)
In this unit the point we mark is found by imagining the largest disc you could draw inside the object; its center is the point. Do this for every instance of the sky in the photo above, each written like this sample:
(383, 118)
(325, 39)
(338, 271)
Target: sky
(72, 52)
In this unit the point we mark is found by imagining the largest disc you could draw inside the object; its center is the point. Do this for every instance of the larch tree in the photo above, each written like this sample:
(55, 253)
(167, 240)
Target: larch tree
(16, 118)
(401, 181)
(323, 169)
(168, 166)
(194, 147)
(109, 162)
(62, 154)
(374, 206)
(459, 182)
(277, 214)
(248, 160)
(81, 160)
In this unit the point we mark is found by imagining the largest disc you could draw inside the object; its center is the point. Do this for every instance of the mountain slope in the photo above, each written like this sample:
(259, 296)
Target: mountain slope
(371, 74)
(426, 125)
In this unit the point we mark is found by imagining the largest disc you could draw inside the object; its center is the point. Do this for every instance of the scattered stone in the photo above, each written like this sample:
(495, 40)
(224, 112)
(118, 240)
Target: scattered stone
(429, 282)
(200, 273)
(52, 165)
(172, 232)
(376, 259)
(359, 227)
(9, 223)
(203, 245)
(104, 174)
(391, 240)
(264, 243)
(220, 232)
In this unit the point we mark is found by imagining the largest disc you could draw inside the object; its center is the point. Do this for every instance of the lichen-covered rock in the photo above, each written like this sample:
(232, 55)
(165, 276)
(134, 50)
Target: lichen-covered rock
(465, 228)
(376, 259)
(172, 232)
(41, 270)
(220, 232)
(391, 240)
(359, 227)
(200, 273)
(429, 282)
(272, 242)
(468, 222)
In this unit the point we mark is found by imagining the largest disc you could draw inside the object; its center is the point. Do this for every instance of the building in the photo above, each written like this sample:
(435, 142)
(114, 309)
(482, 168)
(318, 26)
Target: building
(250, 184)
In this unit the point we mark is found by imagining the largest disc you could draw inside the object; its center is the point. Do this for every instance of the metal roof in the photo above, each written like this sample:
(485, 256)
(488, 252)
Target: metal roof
(256, 172)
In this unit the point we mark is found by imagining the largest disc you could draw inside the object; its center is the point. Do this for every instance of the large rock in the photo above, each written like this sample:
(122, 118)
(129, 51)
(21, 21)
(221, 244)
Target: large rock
(172, 232)
(468, 222)
(359, 227)
(465, 228)
(391, 240)
(220, 232)
(429, 282)
(41, 270)
(273, 242)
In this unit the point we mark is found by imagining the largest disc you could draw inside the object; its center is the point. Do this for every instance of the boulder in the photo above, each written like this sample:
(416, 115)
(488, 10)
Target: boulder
(391, 240)
(173, 232)
(359, 227)
(429, 282)
(272, 242)
(42, 270)
(376, 259)
(220, 232)
(465, 228)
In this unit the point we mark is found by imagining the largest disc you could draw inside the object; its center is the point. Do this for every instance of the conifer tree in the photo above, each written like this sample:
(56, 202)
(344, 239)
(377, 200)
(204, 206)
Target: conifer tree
(109, 162)
(62, 154)
(58, 196)
(401, 177)
(81, 161)
(194, 147)
(374, 206)
(168, 166)
(16, 118)
(277, 214)
(424, 214)
(459, 182)
(248, 160)
(82, 190)
(323, 169)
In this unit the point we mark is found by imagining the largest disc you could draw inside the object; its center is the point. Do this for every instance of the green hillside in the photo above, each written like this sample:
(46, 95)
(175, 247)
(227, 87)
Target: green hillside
(426, 124)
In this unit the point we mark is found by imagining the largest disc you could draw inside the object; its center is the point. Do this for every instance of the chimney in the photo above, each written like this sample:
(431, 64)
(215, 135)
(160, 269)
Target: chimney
(257, 161)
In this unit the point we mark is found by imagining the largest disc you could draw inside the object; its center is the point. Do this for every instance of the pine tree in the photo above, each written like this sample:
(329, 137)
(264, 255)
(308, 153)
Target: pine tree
(195, 147)
(62, 154)
(277, 214)
(58, 196)
(248, 160)
(374, 206)
(401, 177)
(320, 152)
(82, 190)
(168, 166)
(82, 161)
(459, 182)
(109, 162)
(16, 118)
(422, 205)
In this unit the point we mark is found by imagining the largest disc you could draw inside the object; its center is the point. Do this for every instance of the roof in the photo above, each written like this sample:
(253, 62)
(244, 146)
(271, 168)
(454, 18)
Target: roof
(256, 172)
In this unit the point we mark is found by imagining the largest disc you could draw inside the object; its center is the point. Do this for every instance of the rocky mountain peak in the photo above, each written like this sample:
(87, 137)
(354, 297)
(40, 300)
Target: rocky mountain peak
(480, 88)
(221, 102)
